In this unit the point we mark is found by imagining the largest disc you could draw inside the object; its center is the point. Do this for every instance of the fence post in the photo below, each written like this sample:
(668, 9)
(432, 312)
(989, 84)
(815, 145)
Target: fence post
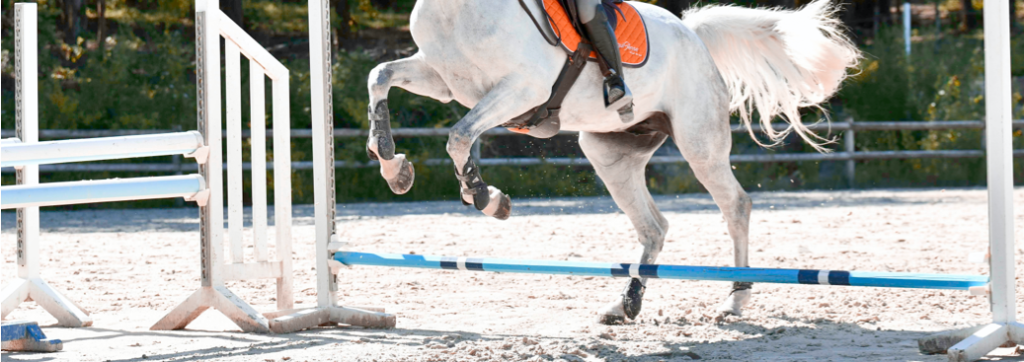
(850, 144)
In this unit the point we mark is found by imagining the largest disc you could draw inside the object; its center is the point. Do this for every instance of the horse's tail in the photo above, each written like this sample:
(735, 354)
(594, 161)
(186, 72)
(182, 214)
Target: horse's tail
(776, 61)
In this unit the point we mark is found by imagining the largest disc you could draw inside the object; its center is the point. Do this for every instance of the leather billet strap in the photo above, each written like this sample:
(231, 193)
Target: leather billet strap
(572, 69)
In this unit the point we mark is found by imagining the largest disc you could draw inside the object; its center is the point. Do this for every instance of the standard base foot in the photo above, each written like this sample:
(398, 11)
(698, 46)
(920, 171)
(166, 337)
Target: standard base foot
(974, 343)
(221, 299)
(67, 312)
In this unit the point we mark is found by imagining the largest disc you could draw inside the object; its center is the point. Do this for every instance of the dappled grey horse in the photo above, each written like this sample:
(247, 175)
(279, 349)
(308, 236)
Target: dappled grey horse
(717, 60)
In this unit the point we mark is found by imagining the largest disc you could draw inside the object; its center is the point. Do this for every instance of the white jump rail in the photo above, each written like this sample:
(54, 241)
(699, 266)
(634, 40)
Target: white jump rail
(217, 268)
(97, 149)
(86, 192)
(25, 154)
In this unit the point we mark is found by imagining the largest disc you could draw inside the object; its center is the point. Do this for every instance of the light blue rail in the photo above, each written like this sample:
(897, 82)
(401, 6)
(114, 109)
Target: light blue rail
(82, 192)
(754, 275)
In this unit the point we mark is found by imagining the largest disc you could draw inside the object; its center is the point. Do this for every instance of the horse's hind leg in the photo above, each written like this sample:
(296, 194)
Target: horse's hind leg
(705, 141)
(414, 75)
(620, 160)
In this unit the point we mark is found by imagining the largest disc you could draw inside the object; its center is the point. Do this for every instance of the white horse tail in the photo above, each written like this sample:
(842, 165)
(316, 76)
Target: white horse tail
(776, 61)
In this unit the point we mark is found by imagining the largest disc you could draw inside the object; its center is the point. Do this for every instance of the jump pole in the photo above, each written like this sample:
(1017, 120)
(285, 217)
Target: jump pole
(685, 272)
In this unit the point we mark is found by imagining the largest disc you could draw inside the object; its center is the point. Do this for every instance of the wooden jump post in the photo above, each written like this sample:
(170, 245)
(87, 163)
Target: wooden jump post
(26, 152)
(327, 310)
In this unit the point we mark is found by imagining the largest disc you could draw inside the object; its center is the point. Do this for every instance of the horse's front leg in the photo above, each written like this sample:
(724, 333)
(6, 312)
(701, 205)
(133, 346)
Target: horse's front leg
(511, 97)
(411, 74)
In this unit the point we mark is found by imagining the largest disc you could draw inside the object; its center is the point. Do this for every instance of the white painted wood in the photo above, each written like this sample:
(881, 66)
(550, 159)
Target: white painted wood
(233, 87)
(95, 191)
(9, 141)
(213, 294)
(998, 113)
(252, 271)
(251, 49)
(27, 124)
(67, 312)
(12, 295)
(323, 142)
(979, 344)
(281, 103)
(1016, 332)
(258, 155)
(95, 149)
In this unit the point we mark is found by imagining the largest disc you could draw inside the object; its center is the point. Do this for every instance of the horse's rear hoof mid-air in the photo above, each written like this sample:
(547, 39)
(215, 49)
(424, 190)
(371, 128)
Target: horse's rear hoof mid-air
(697, 71)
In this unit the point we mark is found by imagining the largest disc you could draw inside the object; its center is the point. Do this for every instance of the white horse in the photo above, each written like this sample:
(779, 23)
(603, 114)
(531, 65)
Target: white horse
(487, 55)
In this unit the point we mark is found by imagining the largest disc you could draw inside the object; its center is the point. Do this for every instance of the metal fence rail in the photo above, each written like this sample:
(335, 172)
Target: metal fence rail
(849, 127)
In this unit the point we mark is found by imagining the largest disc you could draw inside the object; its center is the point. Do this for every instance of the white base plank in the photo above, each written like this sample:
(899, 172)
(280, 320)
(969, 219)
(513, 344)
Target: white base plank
(221, 299)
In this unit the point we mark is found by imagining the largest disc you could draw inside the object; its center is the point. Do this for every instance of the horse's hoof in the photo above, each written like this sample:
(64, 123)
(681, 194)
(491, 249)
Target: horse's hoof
(612, 314)
(400, 179)
(500, 205)
(611, 320)
(733, 305)
(633, 298)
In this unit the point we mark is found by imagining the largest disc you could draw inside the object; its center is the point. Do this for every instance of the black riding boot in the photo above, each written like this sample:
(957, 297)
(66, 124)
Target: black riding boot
(616, 95)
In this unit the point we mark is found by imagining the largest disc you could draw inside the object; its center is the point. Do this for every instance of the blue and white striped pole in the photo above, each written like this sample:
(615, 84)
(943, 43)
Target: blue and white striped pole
(754, 275)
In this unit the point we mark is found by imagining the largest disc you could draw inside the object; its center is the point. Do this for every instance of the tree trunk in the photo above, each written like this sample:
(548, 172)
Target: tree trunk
(344, 27)
(72, 13)
(967, 21)
(101, 10)
(233, 9)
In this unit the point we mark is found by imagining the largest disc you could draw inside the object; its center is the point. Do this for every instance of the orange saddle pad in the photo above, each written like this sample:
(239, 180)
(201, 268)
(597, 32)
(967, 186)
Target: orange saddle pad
(631, 32)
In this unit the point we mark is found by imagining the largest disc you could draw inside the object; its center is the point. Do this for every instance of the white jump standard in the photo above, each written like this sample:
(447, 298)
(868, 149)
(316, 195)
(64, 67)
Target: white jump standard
(25, 153)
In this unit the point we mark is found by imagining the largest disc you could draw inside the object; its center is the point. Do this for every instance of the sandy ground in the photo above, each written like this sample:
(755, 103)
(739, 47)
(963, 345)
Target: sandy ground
(129, 267)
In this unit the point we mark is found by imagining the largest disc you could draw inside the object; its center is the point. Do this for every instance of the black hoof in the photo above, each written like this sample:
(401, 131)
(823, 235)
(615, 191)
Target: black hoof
(403, 182)
(633, 298)
(504, 208)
